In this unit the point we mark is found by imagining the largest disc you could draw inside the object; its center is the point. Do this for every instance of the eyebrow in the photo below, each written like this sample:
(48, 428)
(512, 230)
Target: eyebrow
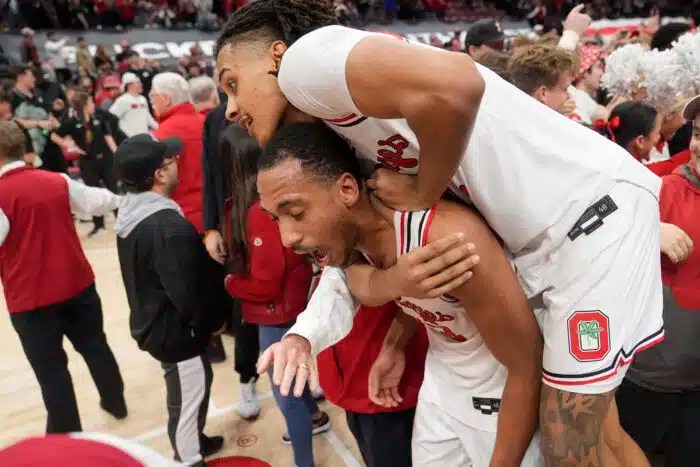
(282, 205)
(221, 73)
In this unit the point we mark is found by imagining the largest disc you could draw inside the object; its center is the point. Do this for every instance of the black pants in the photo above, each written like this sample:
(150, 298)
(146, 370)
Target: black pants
(247, 344)
(41, 332)
(188, 385)
(383, 438)
(94, 170)
(662, 423)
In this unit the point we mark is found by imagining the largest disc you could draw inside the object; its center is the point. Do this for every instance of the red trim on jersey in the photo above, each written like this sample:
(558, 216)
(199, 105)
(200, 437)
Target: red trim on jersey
(403, 232)
(424, 240)
(621, 362)
(398, 36)
(343, 119)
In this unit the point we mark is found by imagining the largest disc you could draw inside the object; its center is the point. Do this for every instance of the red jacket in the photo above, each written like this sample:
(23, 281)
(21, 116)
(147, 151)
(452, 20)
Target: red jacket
(666, 167)
(680, 205)
(344, 368)
(276, 289)
(41, 260)
(182, 121)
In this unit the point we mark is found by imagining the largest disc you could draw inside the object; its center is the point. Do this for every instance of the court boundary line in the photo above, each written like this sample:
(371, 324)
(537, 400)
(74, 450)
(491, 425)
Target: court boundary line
(340, 448)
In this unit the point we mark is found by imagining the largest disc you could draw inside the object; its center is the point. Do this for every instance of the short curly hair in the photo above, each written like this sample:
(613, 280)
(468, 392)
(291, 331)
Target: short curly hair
(540, 65)
(12, 140)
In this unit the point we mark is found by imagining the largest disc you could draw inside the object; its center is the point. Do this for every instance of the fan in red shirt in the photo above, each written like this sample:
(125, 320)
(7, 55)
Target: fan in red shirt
(176, 116)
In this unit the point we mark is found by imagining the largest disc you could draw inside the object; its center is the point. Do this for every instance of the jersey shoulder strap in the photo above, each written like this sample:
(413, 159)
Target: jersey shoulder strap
(412, 229)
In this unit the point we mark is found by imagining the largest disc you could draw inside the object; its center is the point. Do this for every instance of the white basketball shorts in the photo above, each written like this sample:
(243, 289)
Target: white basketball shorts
(601, 299)
(440, 440)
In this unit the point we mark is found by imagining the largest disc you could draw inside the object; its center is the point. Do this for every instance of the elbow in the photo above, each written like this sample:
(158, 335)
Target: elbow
(467, 87)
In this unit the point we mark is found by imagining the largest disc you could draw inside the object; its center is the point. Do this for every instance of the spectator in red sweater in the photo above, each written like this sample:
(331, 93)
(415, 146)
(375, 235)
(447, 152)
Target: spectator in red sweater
(665, 380)
(48, 283)
(272, 282)
(177, 117)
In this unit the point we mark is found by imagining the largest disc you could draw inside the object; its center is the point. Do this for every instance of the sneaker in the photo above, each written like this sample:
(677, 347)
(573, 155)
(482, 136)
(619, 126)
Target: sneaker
(211, 445)
(321, 425)
(116, 409)
(248, 406)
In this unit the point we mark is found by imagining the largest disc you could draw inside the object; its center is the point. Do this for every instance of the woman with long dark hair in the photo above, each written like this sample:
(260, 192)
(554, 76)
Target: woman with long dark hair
(272, 282)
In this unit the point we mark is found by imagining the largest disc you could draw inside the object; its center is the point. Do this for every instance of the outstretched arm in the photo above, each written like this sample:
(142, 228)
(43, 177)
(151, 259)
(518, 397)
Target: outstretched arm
(496, 304)
(437, 92)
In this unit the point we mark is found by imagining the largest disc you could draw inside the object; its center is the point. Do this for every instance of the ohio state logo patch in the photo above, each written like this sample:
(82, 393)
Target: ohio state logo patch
(589, 335)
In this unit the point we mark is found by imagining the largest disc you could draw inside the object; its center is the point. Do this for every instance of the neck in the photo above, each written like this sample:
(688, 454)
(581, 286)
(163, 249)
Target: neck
(294, 115)
(374, 225)
(161, 190)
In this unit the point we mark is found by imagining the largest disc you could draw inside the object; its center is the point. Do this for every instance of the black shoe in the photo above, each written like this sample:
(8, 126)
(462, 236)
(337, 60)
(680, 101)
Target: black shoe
(116, 409)
(211, 445)
(96, 231)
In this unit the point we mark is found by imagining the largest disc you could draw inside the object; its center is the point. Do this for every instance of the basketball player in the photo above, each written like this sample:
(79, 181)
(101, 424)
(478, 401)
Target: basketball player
(484, 343)
(580, 218)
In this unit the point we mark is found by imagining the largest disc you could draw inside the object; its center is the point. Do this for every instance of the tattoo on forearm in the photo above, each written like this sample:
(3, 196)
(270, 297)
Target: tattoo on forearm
(571, 426)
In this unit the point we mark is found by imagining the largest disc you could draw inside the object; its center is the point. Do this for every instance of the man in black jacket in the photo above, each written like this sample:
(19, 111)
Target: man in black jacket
(163, 265)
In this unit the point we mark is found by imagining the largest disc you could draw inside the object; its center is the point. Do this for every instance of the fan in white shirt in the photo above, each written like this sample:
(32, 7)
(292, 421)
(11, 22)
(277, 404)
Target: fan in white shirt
(132, 108)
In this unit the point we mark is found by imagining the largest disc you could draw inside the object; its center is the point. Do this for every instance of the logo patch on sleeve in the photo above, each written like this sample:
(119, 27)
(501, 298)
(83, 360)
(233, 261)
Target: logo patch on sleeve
(589, 335)
(257, 241)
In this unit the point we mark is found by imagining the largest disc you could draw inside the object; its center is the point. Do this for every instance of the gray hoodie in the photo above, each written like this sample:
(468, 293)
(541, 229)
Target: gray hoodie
(136, 207)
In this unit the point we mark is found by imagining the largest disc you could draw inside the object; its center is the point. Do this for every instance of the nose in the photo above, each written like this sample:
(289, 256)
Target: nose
(232, 113)
(290, 238)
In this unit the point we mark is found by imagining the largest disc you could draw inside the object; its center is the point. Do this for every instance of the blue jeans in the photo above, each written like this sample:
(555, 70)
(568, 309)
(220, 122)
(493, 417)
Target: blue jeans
(297, 411)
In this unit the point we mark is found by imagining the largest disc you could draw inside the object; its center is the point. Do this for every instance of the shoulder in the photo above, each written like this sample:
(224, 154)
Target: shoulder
(448, 218)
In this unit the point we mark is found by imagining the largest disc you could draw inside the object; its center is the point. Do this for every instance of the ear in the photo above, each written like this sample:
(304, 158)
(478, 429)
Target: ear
(349, 189)
(637, 145)
(277, 50)
(541, 94)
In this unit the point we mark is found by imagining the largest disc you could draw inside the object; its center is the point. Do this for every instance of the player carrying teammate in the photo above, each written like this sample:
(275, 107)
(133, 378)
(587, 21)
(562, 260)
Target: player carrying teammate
(579, 216)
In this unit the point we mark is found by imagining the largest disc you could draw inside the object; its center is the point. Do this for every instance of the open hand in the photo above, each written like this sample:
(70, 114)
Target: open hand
(291, 361)
(435, 269)
(385, 377)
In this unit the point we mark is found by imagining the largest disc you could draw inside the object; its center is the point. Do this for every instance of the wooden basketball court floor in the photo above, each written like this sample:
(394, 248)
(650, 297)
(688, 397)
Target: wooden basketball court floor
(22, 412)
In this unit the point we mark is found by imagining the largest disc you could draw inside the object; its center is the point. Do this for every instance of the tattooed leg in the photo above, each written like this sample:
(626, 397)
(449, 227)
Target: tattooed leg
(625, 449)
(572, 429)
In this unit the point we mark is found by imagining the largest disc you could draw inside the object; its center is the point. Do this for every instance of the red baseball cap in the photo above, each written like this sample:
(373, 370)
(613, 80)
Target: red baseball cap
(589, 54)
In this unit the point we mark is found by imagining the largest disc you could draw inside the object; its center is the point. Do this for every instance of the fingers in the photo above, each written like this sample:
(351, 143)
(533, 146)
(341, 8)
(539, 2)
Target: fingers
(444, 261)
(289, 373)
(578, 8)
(436, 248)
(264, 361)
(313, 378)
(302, 375)
(450, 278)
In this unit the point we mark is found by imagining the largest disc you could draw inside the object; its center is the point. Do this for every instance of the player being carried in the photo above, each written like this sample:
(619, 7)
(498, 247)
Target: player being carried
(578, 215)
(482, 372)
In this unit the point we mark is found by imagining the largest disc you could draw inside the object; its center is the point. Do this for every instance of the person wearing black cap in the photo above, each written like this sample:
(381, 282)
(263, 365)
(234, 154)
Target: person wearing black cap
(163, 264)
(484, 36)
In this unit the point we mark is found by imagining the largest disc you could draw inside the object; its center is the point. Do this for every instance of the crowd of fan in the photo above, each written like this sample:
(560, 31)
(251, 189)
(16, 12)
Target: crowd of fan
(210, 15)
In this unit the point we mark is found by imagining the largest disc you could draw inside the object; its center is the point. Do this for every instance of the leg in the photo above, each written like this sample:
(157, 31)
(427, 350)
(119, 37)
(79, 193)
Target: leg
(41, 335)
(647, 427)
(295, 409)
(247, 345)
(434, 443)
(602, 305)
(683, 447)
(84, 328)
(89, 171)
(383, 438)
(185, 384)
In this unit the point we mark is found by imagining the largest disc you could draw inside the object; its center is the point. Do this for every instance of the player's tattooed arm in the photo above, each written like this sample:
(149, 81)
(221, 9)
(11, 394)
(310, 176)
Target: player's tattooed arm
(571, 426)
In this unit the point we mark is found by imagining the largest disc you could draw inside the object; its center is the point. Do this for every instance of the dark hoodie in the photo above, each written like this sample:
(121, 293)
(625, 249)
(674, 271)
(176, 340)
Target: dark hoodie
(163, 263)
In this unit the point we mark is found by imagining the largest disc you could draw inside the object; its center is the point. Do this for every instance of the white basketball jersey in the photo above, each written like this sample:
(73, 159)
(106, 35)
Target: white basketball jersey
(462, 376)
(530, 171)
